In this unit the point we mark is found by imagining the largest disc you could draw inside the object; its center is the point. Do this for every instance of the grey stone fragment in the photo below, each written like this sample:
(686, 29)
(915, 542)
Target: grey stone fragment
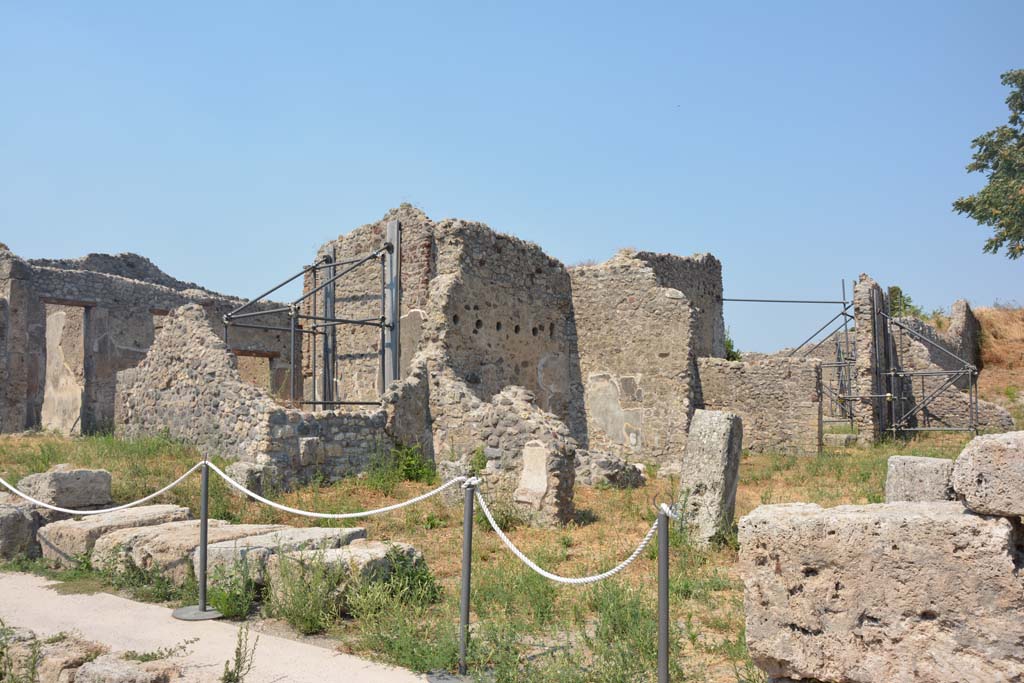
(116, 669)
(65, 542)
(68, 487)
(709, 473)
(889, 592)
(916, 479)
(594, 469)
(17, 533)
(989, 474)
(256, 550)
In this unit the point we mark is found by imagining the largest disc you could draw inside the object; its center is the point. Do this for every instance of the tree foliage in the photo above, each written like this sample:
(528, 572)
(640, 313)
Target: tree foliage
(999, 154)
(900, 304)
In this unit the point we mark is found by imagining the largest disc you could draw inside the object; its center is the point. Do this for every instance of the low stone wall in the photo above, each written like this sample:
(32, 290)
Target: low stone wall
(777, 398)
(189, 387)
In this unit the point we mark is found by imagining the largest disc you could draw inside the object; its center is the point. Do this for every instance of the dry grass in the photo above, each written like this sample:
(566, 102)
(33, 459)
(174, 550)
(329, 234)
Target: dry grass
(1002, 356)
(530, 615)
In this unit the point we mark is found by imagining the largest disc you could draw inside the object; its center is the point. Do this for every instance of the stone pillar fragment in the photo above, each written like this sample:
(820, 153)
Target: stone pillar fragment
(917, 479)
(710, 471)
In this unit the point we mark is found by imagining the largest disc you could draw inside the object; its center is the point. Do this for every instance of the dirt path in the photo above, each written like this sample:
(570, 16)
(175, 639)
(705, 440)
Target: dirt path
(27, 601)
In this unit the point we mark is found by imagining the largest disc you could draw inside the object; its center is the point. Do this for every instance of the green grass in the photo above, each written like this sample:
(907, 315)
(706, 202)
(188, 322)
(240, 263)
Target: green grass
(525, 628)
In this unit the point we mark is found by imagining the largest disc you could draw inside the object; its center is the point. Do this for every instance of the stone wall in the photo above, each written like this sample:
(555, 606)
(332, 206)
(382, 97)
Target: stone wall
(189, 386)
(358, 296)
(110, 320)
(636, 362)
(777, 398)
(699, 278)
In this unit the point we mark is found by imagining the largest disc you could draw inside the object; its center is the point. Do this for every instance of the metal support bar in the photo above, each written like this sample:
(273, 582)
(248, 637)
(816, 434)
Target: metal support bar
(467, 568)
(247, 304)
(663, 620)
(392, 304)
(275, 328)
(820, 329)
(925, 340)
(201, 611)
(253, 314)
(785, 301)
(343, 273)
(327, 322)
(340, 403)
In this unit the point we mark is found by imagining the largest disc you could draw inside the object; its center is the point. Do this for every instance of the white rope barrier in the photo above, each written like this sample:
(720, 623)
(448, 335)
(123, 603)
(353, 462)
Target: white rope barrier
(335, 515)
(140, 501)
(576, 581)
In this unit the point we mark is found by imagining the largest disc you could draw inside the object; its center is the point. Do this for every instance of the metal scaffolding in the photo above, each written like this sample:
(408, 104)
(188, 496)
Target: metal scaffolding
(321, 321)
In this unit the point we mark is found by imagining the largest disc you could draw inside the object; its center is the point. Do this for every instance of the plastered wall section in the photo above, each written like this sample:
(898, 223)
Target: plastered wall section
(776, 398)
(636, 360)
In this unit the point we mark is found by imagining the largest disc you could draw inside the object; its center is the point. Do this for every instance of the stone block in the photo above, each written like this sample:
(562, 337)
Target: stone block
(17, 533)
(254, 551)
(68, 487)
(889, 592)
(166, 548)
(533, 478)
(989, 474)
(114, 668)
(64, 543)
(709, 473)
(915, 479)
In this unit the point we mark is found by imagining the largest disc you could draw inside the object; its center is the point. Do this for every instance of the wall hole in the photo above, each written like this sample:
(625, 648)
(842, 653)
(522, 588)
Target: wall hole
(516, 329)
(479, 323)
(534, 332)
(497, 326)
(455, 319)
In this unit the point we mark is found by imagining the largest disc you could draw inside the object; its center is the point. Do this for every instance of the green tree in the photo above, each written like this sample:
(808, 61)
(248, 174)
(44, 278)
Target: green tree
(999, 153)
(901, 304)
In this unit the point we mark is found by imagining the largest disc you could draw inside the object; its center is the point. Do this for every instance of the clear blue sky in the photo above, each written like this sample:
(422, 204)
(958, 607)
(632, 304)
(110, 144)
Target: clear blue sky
(799, 142)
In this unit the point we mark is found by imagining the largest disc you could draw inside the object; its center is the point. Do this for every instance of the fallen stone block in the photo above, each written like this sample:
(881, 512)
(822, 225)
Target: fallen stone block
(65, 543)
(116, 669)
(165, 548)
(254, 551)
(989, 474)
(69, 487)
(17, 533)
(889, 592)
(915, 479)
(839, 440)
(710, 472)
(596, 469)
(361, 560)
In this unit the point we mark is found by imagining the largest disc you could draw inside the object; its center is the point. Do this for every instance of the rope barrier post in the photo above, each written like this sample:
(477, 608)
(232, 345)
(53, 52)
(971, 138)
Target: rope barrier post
(201, 612)
(662, 596)
(469, 488)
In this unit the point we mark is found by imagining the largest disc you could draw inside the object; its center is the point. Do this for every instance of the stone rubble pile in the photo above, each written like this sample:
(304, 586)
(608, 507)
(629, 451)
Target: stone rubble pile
(920, 588)
(64, 658)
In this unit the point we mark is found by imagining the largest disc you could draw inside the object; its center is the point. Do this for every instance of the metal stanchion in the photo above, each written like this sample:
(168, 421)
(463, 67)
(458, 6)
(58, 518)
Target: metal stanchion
(467, 565)
(201, 612)
(662, 596)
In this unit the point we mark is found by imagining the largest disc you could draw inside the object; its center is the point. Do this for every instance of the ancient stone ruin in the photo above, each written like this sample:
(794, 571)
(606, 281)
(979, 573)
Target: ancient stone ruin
(507, 363)
(910, 590)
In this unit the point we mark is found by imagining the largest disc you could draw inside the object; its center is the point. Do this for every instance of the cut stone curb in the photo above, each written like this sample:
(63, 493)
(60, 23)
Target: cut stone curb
(65, 543)
(912, 478)
(166, 548)
(116, 669)
(989, 474)
(256, 550)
